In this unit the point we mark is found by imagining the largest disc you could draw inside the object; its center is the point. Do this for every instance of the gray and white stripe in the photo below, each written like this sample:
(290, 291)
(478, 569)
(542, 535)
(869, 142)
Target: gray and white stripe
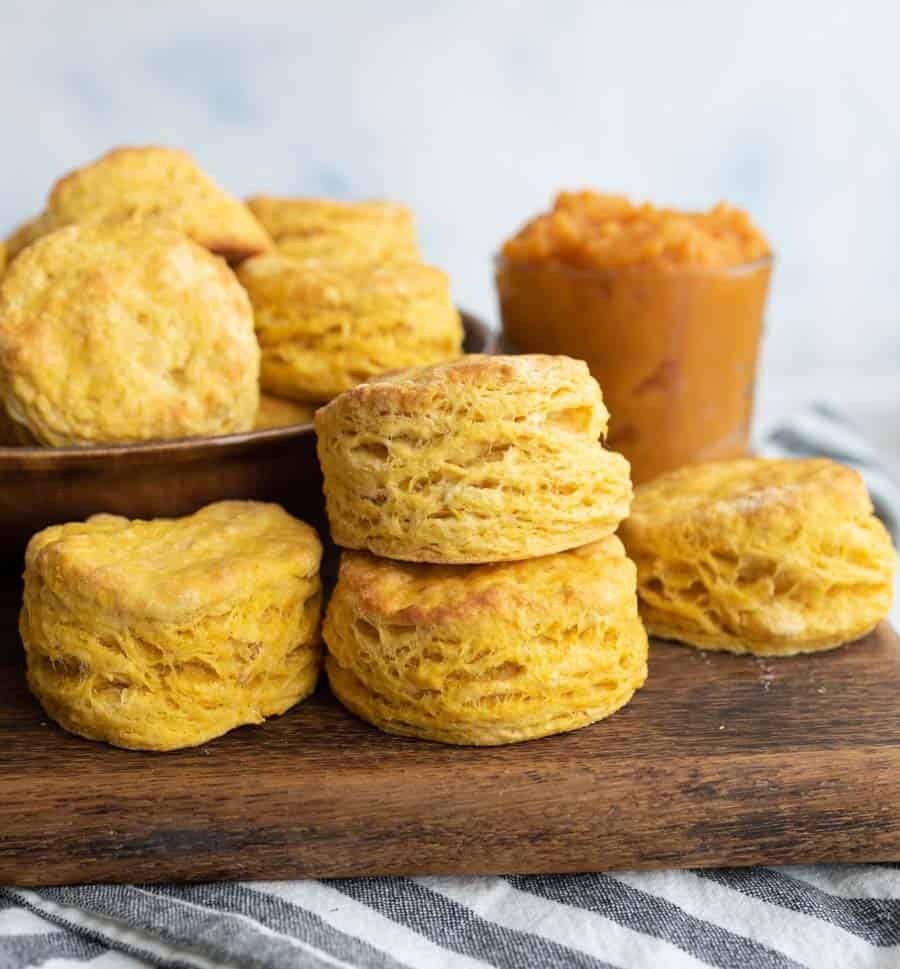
(835, 916)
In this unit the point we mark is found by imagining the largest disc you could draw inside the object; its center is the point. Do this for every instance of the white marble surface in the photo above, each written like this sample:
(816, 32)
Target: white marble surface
(476, 112)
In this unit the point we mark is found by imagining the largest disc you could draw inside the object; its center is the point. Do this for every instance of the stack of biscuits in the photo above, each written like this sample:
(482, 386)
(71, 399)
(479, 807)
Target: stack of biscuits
(482, 596)
(146, 303)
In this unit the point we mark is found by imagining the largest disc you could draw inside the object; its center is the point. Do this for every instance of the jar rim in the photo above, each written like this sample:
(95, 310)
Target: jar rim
(738, 269)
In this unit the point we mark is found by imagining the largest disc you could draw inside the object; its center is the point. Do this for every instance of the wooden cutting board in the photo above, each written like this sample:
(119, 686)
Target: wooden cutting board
(719, 760)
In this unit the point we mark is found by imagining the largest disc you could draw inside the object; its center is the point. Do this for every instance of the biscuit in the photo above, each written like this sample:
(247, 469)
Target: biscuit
(2, 258)
(322, 329)
(355, 232)
(485, 459)
(125, 333)
(160, 187)
(155, 635)
(278, 412)
(773, 557)
(486, 654)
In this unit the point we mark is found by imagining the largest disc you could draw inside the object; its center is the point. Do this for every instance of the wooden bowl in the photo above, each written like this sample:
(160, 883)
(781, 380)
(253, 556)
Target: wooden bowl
(46, 486)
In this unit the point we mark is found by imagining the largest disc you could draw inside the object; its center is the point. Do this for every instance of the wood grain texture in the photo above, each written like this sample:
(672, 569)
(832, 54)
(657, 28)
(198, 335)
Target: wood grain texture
(719, 760)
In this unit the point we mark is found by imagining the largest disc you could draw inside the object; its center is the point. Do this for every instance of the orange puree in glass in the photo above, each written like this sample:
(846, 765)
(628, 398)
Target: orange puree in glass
(666, 307)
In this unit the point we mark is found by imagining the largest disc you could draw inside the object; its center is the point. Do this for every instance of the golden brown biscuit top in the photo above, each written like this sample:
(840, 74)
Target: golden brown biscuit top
(595, 230)
(96, 320)
(173, 569)
(487, 372)
(2, 258)
(538, 385)
(162, 187)
(597, 576)
(285, 217)
(723, 496)
(311, 281)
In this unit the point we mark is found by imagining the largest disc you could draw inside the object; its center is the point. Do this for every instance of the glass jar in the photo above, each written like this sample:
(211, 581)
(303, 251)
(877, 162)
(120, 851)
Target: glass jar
(673, 348)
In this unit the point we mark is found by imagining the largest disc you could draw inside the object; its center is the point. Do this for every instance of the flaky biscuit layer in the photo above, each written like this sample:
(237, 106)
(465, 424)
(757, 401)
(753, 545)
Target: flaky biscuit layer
(163, 634)
(484, 459)
(486, 654)
(763, 556)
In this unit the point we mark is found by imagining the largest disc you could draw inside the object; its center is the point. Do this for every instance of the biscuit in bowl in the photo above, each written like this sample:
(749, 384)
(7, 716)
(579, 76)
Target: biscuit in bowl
(360, 232)
(279, 412)
(485, 459)
(486, 654)
(112, 334)
(155, 186)
(156, 635)
(323, 329)
(766, 556)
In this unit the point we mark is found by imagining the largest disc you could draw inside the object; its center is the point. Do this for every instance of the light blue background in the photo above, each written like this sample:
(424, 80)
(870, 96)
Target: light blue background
(475, 113)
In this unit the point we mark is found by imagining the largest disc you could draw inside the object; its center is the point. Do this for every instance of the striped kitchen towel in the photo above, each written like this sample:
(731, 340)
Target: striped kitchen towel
(825, 917)
(840, 917)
